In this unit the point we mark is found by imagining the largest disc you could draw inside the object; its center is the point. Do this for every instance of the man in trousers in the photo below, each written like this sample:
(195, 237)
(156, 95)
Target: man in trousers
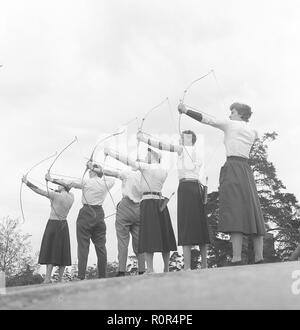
(128, 217)
(90, 224)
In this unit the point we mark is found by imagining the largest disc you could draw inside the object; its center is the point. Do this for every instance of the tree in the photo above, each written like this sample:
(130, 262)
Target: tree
(15, 247)
(28, 276)
(281, 209)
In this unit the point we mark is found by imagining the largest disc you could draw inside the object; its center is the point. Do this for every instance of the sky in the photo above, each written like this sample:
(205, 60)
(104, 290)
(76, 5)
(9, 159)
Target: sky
(85, 68)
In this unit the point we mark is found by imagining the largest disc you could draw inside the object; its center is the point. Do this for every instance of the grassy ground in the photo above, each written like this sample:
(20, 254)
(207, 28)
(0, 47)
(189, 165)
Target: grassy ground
(267, 286)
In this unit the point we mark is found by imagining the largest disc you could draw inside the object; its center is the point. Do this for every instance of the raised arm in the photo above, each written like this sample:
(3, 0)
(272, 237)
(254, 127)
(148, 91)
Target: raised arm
(203, 118)
(135, 165)
(98, 169)
(115, 174)
(121, 158)
(71, 184)
(158, 144)
(37, 190)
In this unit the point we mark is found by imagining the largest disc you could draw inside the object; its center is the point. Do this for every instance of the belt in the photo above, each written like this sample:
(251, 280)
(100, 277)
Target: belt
(57, 220)
(238, 158)
(94, 206)
(188, 180)
(151, 193)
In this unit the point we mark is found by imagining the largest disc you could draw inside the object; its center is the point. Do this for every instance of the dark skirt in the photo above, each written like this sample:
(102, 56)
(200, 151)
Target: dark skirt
(156, 231)
(240, 210)
(191, 217)
(55, 248)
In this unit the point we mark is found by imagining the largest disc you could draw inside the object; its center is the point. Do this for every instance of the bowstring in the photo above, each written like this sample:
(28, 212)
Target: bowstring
(104, 178)
(108, 190)
(49, 170)
(183, 102)
(27, 173)
(221, 96)
(140, 129)
(91, 159)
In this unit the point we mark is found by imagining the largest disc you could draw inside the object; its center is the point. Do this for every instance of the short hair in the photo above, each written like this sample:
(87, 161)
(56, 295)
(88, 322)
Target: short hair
(194, 136)
(65, 186)
(97, 166)
(243, 110)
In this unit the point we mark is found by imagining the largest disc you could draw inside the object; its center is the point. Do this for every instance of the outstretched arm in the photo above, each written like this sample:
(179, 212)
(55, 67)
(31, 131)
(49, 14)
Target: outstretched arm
(70, 184)
(121, 158)
(96, 168)
(158, 144)
(203, 118)
(37, 190)
(135, 165)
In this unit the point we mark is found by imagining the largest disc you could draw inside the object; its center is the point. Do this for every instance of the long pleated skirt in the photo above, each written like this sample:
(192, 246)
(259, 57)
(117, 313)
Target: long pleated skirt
(156, 231)
(240, 210)
(55, 248)
(191, 217)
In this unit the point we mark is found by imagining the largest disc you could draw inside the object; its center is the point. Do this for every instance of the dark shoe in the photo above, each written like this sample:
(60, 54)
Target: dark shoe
(77, 279)
(120, 274)
(235, 263)
(259, 262)
(141, 273)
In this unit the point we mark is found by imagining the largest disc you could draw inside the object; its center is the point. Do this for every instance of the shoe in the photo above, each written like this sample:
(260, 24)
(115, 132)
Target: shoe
(235, 263)
(147, 272)
(77, 279)
(120, 274)
(259, 262)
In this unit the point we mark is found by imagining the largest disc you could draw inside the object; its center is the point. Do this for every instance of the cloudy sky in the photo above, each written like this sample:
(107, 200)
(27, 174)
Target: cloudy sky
(84, 68)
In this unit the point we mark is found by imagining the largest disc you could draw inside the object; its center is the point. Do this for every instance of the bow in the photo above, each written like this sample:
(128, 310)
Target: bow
(108, 190)
(149, 111)
(165, 200)
(21, 186)
(140, 130)
(182, 101)
(91, 159)
(105, 157)
(49, 169)
(179, 121)
(185, 93)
